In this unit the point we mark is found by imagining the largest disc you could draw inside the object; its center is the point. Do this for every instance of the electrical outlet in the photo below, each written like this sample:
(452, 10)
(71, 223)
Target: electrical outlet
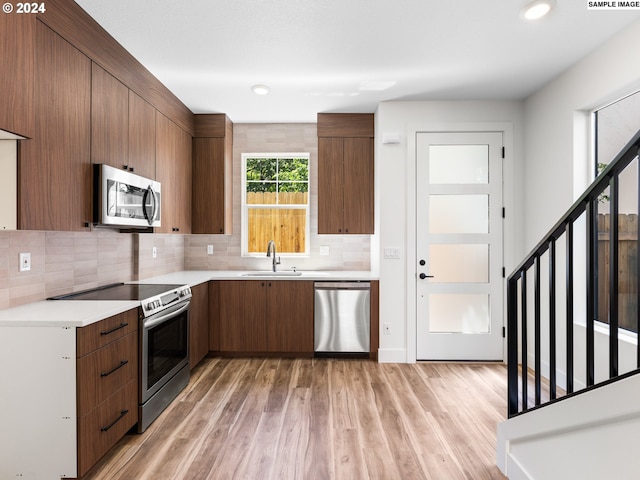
(324, 249)
(209, 249)
(25, 262)
(154, 252)
(387, 328)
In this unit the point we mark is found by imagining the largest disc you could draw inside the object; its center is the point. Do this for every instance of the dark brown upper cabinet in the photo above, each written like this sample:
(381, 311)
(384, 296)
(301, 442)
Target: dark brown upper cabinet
(212, 194)
(54, 167)
(345, 173)
(17, 56)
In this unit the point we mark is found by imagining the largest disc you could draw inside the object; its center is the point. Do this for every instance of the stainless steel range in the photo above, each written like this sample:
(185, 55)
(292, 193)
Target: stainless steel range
(164, 340)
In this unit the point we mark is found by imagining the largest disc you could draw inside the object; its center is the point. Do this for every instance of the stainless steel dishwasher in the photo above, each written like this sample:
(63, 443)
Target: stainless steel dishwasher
(341, 317)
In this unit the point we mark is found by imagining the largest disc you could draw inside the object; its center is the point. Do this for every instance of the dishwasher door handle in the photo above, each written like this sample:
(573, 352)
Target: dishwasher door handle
(342, 285)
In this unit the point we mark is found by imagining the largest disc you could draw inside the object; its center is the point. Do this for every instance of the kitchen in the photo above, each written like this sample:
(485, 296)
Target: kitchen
(66, 258)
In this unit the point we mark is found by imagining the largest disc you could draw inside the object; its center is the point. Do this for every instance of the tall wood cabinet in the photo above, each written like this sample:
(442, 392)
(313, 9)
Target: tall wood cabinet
(213, 174)
(345, 174)
(17, 55)
(173, 171)
(55, 169)
(142, 136)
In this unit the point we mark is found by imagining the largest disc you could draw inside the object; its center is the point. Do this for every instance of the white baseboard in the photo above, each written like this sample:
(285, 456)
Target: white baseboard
(391, 355)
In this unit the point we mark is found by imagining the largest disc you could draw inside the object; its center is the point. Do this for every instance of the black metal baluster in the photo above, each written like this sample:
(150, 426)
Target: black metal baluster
(569, 306)
(552, 319)
(613, 276)
(537, 373)
(512, 342)
(523, 339)
(592, 286)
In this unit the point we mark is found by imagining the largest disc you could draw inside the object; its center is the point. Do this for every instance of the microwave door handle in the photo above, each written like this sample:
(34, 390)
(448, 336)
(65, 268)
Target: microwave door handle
(151, 217)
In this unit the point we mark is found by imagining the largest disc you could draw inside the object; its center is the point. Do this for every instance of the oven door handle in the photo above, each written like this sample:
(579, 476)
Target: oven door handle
(154, 321)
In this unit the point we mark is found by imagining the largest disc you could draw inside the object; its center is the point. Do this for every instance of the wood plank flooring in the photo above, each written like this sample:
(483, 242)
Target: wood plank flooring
(321, 419)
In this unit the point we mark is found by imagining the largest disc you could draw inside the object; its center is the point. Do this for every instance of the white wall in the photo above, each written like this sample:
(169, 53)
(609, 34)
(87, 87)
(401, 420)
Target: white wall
(394, 227)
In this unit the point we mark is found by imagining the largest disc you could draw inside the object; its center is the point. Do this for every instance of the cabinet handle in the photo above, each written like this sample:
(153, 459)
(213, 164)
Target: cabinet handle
(115, 329)
(108, 427)
(114, 369)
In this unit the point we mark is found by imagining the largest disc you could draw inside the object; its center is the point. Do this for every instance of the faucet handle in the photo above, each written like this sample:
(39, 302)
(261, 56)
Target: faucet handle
(278, 261)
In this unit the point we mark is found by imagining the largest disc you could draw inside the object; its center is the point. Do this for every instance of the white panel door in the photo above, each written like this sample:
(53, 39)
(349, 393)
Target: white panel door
(459, 263)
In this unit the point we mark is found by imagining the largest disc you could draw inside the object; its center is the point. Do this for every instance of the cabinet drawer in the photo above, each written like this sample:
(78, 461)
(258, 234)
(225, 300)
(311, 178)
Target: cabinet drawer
(105, 425)
(103, 372)
(101, 333)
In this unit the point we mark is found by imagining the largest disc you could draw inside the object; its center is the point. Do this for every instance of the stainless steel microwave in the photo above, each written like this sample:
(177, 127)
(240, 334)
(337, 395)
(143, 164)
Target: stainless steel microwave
(124, 199)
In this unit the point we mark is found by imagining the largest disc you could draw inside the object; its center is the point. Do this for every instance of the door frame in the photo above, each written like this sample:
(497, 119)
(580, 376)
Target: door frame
(506, 128)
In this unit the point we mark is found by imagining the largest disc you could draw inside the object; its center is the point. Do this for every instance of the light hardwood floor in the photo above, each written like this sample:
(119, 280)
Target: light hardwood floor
(321, 419)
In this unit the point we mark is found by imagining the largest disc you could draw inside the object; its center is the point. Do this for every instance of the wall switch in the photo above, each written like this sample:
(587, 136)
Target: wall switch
(387, 328)
(324, 249)
(392, 252)
(25, 262)
(209, 249)
(154, 252)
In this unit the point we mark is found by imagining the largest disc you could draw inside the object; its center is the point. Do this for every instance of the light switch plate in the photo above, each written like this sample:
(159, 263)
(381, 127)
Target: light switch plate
(392, 252)
(25, 262)
(154, 252)
(209, 249)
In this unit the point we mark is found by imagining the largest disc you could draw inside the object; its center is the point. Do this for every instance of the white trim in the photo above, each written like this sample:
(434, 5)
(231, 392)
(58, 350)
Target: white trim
(392, 355)
(410, 186)
(244, 246)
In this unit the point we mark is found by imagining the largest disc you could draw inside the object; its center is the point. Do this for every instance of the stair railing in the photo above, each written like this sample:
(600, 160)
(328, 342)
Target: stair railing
(524, 320)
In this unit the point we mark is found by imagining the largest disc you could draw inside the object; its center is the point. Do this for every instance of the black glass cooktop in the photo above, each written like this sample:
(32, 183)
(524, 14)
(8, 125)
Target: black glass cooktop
(119, 291)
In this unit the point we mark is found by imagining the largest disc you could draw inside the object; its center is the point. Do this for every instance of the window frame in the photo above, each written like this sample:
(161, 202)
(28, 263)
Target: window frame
(245, 207)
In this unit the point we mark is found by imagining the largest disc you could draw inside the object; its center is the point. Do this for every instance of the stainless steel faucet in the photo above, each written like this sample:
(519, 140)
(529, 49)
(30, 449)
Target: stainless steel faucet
(271, 247)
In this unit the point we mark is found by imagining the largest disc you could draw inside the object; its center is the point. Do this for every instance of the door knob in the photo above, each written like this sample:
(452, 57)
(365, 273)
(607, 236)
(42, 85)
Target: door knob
(424, 275)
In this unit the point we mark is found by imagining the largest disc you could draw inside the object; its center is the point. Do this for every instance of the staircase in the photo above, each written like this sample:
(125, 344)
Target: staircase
(573, 388)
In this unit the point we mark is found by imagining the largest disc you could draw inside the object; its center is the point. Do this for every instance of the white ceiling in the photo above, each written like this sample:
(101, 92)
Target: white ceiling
(349, 55)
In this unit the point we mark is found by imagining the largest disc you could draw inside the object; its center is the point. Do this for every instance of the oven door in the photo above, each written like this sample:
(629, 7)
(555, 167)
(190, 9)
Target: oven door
(164, 348)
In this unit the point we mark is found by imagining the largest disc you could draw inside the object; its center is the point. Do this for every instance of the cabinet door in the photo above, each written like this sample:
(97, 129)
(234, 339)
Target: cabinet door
(198, 324)
(290, 316)
(55, 168)
(358, 190)
(242, 316)
(208, 185)
(142, 136)
(183, 181)
(109, 119)
(173, 171)
(17, 79)
(330, 185)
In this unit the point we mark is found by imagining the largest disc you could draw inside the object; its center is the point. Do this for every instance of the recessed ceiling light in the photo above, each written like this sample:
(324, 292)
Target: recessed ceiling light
(537, 9)
(260, 89)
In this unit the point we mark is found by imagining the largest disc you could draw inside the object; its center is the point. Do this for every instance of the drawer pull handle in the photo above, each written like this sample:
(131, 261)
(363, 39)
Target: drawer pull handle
(115, 329)
(122, 364)
(122, 414)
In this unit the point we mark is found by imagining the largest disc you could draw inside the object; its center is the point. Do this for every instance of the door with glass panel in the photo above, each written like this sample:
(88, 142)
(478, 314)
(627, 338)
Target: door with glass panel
(459, 284)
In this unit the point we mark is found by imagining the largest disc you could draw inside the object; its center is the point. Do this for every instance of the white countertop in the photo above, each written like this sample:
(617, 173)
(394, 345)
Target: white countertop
(80, 313)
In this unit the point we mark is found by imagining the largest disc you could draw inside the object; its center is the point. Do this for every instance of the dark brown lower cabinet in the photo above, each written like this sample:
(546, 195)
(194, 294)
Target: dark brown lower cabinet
(262, 316)
(198, 324)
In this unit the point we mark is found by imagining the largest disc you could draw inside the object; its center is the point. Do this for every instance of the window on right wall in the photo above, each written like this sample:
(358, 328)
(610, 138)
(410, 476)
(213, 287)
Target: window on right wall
(614, 126)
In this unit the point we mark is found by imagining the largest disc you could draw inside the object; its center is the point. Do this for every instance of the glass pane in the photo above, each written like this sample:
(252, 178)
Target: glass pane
(458, 213)
(261, 169)
(458, 164)
(459, 313)
(286, 226)
(459, 263)
(293, 169)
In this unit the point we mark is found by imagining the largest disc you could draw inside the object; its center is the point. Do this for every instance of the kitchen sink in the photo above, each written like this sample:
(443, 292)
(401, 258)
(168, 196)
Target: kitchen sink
(284, 273)
(268, 273)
